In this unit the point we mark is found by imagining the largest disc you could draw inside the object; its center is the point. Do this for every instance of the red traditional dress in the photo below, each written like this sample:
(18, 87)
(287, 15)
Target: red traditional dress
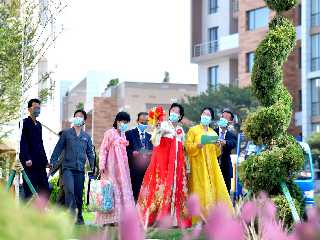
(164, 189)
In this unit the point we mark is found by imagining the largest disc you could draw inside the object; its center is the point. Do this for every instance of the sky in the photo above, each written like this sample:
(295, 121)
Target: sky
(134, 40)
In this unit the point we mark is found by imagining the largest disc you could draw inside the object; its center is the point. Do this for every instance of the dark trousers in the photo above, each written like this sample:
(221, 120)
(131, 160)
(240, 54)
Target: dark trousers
(73, 187)
(226, 176)
(39, 180)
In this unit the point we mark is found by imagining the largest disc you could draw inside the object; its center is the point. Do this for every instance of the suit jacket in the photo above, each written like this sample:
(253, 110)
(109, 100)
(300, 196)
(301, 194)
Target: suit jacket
(31, 145)
(225, 159)
(136, 171)
(135, 143)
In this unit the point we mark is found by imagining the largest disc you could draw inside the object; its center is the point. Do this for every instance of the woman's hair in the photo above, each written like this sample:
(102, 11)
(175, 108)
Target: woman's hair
(210, 110)
(181, 110)
(81, 111)
(121, 116)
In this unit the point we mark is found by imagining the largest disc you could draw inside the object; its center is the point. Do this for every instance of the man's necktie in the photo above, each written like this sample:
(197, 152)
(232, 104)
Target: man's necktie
(143, 140)
(222, 136)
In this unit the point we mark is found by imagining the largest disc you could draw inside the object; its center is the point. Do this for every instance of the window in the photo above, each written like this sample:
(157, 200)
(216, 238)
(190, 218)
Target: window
(257, 18)
(213, 77)
(213, 39)
(250, 61)
(315, 13)
(315, 97)
(315, 52)
(213, 6)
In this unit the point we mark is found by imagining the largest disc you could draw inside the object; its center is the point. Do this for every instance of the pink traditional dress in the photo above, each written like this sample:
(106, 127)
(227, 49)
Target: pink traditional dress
(113, 158)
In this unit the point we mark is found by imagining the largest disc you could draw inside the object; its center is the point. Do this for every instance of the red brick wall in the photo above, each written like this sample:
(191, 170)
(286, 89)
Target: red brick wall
(103, 114)
(292, 80)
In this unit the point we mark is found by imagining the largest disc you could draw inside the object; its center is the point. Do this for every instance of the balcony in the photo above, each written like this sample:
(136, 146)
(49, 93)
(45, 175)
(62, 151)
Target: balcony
(224, 46)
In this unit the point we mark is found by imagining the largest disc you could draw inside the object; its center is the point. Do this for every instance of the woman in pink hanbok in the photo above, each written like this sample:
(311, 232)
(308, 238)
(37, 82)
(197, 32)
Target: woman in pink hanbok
(113, 164)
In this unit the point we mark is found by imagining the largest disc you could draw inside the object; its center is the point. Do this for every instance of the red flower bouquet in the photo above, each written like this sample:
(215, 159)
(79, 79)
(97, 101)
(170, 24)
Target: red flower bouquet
(156, 115)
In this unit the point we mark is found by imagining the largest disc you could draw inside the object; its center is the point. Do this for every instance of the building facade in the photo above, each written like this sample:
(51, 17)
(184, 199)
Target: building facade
(225, 35)
(310, 65)
(133, 97)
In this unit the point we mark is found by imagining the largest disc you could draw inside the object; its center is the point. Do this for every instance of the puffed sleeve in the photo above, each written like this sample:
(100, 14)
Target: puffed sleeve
(104, 150)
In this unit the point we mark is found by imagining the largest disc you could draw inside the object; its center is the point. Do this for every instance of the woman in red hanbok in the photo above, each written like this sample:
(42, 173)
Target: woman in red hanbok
(164, 189)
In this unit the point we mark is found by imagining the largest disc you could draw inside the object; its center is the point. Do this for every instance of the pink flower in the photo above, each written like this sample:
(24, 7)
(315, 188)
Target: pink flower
(269, 210)
(41, 202)
(165, 222)
(306, 231)
(196, 231)
(193, 205)
(220, 225)
(312, 214)
(272, 231)
(249, 211)
(130, 227)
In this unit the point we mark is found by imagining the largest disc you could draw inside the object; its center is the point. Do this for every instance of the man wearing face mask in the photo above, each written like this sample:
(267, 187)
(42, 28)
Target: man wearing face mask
(228, 142)
(77, 147)
(228, 115)
(138, 152)
(32, 153)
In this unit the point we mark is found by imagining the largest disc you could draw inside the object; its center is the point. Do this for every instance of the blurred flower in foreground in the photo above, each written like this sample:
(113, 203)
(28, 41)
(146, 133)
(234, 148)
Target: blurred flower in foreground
(194, 205)
(130, 225)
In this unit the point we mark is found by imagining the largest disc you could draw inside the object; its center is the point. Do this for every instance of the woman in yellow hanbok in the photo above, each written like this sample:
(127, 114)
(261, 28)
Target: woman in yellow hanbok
(206, 179)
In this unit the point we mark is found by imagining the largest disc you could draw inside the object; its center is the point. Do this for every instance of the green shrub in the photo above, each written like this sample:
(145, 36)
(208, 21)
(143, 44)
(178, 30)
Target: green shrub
(22, 222)
(284, 211)
(281, 5)
(283, 157)
(55, 189)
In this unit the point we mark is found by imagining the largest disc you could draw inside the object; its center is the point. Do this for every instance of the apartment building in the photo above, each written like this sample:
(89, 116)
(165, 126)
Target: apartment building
(310, 65)
(225, 35)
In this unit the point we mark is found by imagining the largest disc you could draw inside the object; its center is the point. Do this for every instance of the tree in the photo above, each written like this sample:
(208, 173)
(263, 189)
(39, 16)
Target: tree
(113, 82)
(283, 158)
(80, 106)
(22, 46)
(166, 77)
(239, 100)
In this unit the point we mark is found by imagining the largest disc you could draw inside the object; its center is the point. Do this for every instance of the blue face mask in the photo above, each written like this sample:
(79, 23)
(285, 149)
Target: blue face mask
(142, 127)
(174, 117)
(205, 120)
(222, 122)
(123, 127)
(36, 112)
(78, 121)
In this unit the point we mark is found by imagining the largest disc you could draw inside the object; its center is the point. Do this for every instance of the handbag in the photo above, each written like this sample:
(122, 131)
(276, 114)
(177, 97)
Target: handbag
(101, 196)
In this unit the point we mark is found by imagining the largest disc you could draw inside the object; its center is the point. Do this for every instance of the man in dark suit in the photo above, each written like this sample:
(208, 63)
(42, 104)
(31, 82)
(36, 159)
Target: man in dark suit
(139, 152)
(32, 154)
(228, 142)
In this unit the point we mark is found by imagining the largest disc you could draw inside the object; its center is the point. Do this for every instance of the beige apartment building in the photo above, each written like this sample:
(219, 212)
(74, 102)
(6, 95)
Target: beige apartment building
(225, 34)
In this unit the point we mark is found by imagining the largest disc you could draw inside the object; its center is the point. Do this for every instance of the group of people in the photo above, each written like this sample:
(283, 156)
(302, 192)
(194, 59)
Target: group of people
(155, 171)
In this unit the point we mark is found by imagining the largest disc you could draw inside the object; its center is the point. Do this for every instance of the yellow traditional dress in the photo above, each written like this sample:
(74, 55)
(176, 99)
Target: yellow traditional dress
(206, 179)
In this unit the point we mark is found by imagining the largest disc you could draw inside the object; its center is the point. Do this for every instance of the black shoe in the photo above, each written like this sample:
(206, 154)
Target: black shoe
(80, 221)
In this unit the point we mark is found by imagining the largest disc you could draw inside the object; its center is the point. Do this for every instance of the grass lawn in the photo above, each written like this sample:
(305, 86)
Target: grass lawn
(153, 233)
